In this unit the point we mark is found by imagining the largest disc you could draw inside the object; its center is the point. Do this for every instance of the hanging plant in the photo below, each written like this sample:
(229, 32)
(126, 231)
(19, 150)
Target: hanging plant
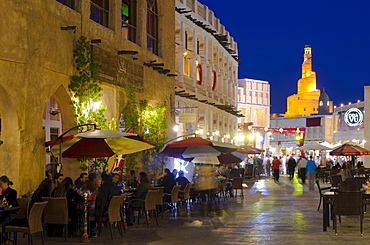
(86, 90)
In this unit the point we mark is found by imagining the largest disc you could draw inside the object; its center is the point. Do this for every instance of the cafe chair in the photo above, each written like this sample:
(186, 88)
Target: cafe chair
(34, 223)
(174, 197)
(23, 205)
(159, 199)
(148, 205)
(184, 196)
(56, 212)
(335, 180)
(348, 203)
(237, 184)
(114, 215)
(321, 192)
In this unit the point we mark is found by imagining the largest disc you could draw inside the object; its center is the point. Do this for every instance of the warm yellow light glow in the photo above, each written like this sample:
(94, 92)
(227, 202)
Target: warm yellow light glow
(185, 54)
(217, 133)
(250, 136)
(176, 128)
(201, 131)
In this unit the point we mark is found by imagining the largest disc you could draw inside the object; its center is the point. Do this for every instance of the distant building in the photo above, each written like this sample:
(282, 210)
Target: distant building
(308, 100)
(254, 104)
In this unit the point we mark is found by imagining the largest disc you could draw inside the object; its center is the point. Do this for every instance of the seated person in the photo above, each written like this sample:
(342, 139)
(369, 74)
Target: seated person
(182, 180)
(105, 193)
(81, 180)
(168, 182)
(65, 190)
(10, 195)
(58, 178)
(44, 190)
(132, 182)
(142, 190)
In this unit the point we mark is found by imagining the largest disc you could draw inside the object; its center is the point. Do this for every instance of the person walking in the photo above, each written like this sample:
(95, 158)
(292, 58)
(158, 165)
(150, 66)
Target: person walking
(302, 165)
(268, 166)
(311, 171)
(291, 167)
(276, 167)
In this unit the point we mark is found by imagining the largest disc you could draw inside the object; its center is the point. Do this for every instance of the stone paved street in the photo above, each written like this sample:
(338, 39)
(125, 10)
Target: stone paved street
(270, 213)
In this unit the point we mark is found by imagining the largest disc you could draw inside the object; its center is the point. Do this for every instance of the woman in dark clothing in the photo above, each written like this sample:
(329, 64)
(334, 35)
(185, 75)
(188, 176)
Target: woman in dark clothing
(65, 190)
(142, 190)
(7, 192)
(43, 190)
(10, 196)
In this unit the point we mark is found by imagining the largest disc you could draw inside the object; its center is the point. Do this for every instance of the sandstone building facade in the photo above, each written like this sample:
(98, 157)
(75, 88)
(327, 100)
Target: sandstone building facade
(36, 65)
(207, 67)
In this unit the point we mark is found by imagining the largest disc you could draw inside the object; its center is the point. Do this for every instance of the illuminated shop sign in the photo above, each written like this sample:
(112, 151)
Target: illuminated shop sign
(353, 117)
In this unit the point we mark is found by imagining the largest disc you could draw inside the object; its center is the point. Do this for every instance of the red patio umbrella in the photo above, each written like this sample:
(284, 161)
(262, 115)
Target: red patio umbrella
(349, 150)
(98, 143)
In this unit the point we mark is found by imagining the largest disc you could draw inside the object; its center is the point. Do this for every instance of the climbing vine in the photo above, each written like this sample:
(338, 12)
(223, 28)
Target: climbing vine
(149, 122)
(86, 90)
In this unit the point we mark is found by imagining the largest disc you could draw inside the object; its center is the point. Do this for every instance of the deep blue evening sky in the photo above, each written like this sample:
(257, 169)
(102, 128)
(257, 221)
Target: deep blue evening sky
(271, 35)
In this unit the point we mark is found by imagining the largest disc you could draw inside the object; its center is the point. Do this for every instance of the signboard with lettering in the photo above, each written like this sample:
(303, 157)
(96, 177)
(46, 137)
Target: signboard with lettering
(187, 117)
(118, 70)
(352, 119)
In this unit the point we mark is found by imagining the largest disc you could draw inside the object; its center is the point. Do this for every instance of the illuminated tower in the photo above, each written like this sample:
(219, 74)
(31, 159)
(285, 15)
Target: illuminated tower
(306, 101)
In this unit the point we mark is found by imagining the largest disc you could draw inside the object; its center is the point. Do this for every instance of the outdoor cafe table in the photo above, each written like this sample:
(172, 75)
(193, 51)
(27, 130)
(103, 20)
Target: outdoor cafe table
(328, 198)
(6, 211)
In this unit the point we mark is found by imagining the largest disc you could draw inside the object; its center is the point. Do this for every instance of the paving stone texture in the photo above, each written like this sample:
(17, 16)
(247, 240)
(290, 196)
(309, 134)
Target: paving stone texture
(270, 213)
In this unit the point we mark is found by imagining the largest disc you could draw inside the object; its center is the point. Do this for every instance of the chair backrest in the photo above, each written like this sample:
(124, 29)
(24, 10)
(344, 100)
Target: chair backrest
(237, 183)
(159, 199)
(187, 191)
(318, 187)
(336, 180)
(175, 194)
(56, 212)
(348, 203)
(114, 208)
(34, 220)
(23, 204)
(150, 200)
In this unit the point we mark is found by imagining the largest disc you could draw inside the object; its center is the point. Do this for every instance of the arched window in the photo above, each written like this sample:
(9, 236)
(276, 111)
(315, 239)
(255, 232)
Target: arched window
(99, 11)
(152, 26)
(129, 19)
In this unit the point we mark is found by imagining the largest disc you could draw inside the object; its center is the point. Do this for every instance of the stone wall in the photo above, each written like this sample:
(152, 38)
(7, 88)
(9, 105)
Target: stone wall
(36, 62)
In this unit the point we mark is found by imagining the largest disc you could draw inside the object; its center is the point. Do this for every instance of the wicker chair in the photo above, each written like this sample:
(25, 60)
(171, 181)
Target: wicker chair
(320, 192)
(174, 197)
(56, 212)
(185, 195)
(348, 203)
(149, 204)
(34, 223)
(23, 204)
(114, 215)
(237, 184)
(159, 199)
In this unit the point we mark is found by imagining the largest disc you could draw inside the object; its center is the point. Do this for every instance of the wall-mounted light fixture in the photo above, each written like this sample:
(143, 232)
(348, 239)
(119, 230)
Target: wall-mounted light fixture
(95, 41)
(68, 28)
(131, 52)
(54, 111)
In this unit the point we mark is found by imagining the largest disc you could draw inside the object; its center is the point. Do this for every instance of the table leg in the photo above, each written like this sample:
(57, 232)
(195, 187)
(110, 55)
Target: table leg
(325, 212)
